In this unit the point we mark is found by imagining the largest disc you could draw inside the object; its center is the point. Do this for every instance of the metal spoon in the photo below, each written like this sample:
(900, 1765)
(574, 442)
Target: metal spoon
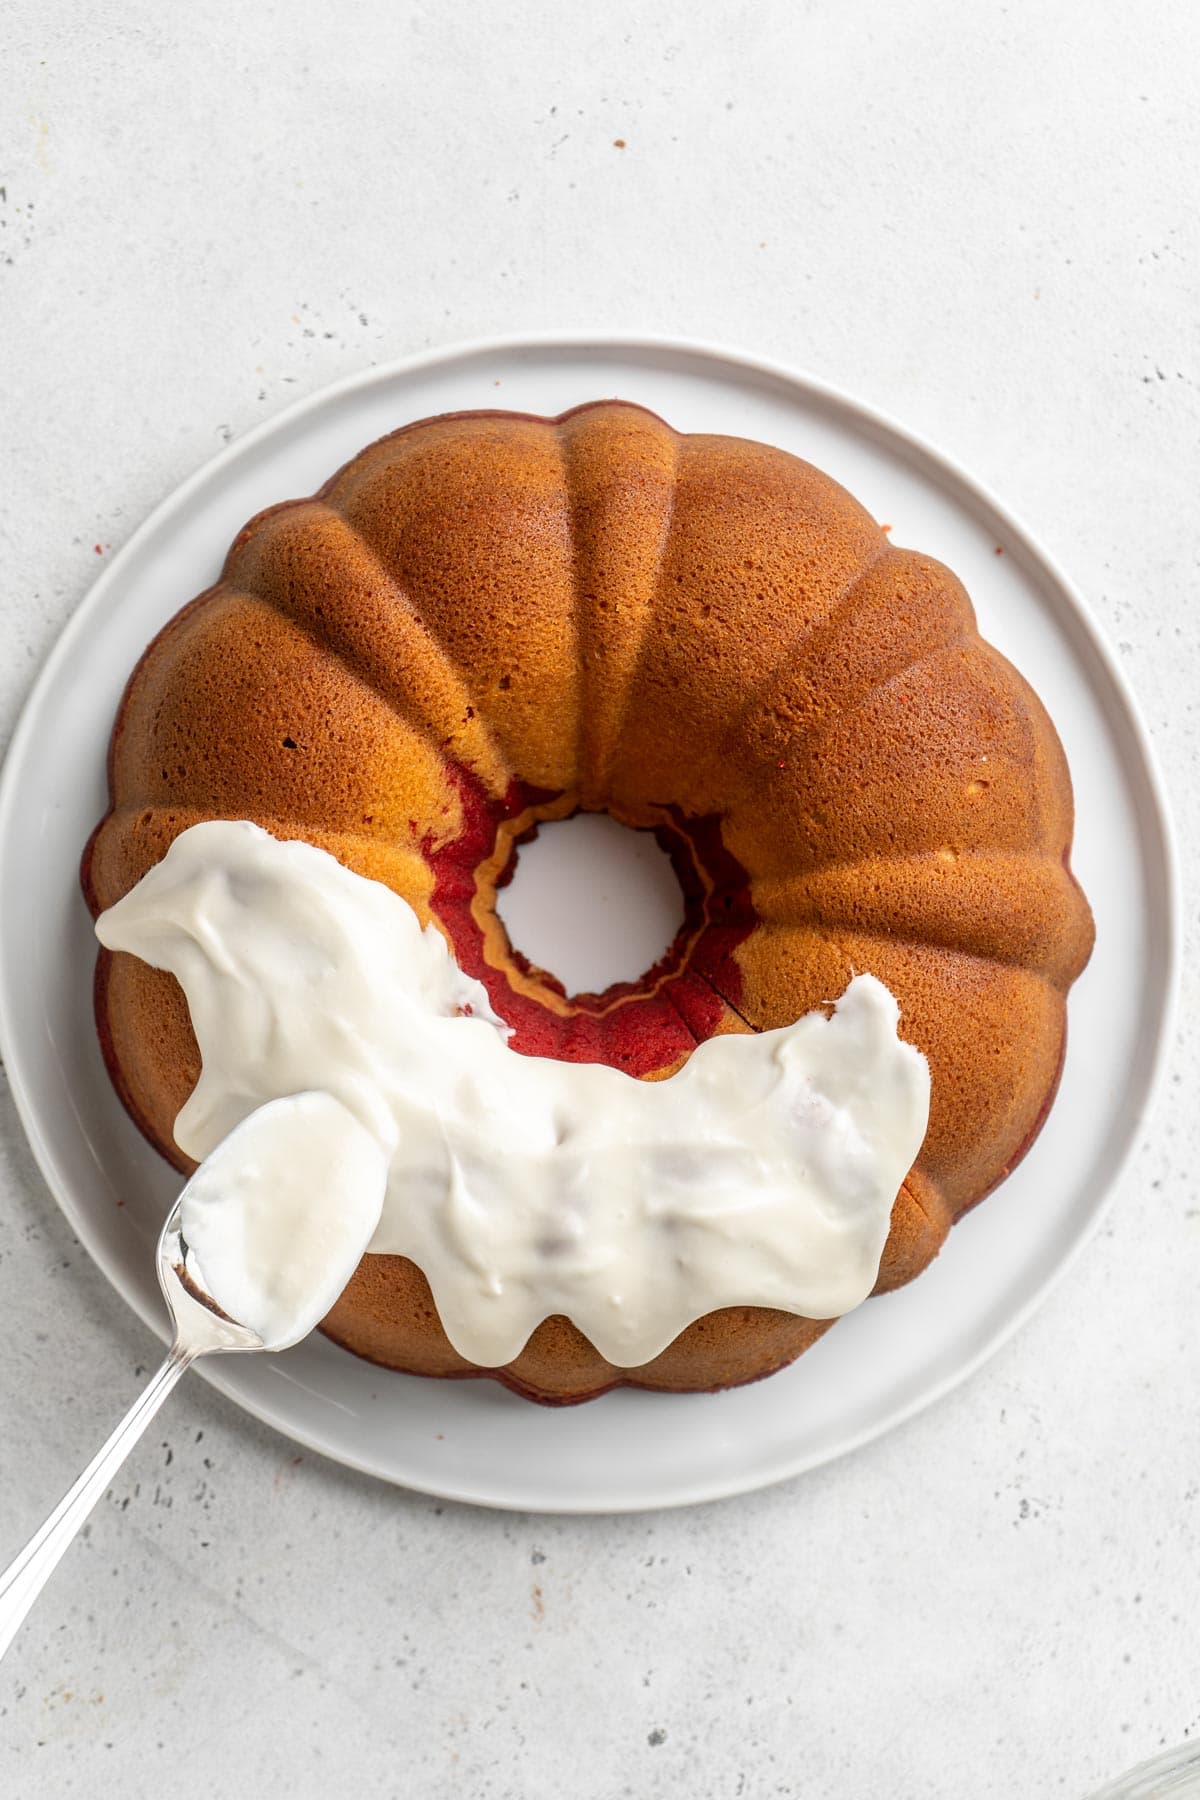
(199, 1330)
(305, 1180)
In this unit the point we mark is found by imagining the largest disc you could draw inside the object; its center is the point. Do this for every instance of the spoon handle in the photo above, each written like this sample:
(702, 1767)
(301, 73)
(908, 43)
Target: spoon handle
(28, 1573)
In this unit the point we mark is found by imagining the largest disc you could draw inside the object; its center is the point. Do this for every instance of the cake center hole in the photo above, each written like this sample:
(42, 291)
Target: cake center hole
(592, 902)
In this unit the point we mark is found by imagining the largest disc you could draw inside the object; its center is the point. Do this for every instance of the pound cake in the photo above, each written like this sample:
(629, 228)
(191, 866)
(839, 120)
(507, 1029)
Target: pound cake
(487, 621)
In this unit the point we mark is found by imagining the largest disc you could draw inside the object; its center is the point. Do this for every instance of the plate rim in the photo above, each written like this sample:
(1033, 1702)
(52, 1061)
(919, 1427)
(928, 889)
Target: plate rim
(984, 504)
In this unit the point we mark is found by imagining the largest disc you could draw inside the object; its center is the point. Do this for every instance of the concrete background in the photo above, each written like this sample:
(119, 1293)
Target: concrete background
(982, 219)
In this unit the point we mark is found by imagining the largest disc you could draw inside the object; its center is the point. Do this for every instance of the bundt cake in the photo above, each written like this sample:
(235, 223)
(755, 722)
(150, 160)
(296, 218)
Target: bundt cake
(489, 620)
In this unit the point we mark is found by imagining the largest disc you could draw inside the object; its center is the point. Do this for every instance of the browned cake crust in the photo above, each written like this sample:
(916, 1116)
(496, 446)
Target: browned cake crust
(486, 620)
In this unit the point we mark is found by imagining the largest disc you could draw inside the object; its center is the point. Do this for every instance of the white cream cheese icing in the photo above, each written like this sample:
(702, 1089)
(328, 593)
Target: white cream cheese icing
(762, 1173)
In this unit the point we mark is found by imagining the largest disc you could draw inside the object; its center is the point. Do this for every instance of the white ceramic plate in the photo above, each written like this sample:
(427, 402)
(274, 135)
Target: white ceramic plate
(472, 1440)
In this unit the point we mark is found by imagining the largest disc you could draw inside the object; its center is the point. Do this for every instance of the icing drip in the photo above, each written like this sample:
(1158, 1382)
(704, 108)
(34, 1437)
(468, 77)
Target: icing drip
(762, 1173)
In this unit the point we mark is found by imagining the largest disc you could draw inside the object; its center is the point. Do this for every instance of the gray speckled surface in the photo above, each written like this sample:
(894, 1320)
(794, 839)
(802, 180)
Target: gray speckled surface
(985, 220)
